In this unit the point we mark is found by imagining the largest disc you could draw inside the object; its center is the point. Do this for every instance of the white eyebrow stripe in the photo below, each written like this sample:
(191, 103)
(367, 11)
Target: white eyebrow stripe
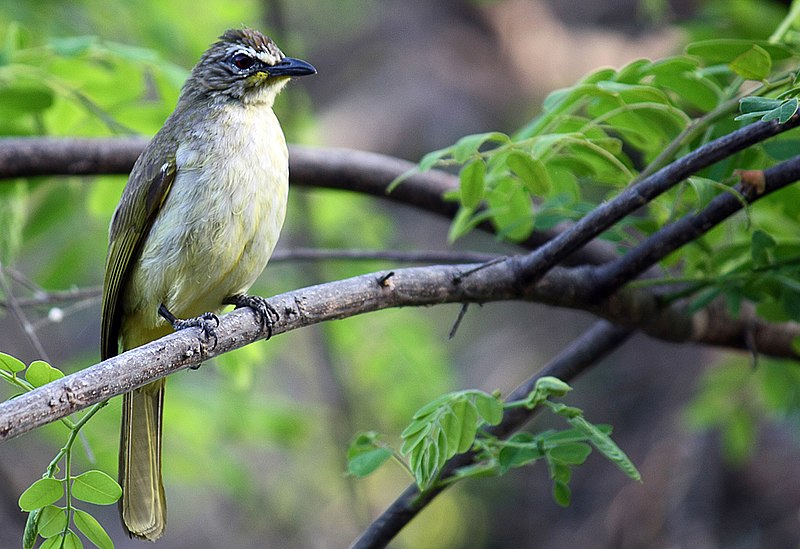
(263, 56)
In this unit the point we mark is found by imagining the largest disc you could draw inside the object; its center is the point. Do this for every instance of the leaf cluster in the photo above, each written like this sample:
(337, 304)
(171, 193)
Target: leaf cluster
(459, 422)
(45, 518)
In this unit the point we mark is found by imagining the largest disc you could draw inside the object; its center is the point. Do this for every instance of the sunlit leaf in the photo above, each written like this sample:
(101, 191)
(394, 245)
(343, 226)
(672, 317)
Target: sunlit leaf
(472, 182)
(41, 493)
(753, 64)
(606, 446)
(92, 529)
(96, 487)
(10, 364)
(52, 521)
(41, 373)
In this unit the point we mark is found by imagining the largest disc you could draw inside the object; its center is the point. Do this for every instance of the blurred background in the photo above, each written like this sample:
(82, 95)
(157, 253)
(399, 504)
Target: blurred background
(255, 442)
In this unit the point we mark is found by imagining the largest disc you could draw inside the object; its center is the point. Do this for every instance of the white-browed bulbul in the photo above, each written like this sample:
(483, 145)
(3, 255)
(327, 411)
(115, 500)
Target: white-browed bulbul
(196, 224)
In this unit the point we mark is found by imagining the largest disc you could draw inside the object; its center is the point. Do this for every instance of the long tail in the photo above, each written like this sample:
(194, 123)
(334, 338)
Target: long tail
(143, 506)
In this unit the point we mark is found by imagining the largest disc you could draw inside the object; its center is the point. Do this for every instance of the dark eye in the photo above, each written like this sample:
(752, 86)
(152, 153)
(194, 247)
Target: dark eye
(242, 61)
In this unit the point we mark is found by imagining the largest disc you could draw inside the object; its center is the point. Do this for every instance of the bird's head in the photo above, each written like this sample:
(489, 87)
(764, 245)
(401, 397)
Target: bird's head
(244, 65)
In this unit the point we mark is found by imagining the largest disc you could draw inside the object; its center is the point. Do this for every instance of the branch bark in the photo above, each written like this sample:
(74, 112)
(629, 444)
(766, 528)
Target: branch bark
(343, 169)
(417, 286)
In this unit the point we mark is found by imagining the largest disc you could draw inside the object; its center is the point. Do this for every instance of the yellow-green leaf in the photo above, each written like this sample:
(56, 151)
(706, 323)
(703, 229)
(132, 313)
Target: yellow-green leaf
(753, 64)
(92, 529)
(41, 493)
(531, 171)
(96, 487)
(472, 179)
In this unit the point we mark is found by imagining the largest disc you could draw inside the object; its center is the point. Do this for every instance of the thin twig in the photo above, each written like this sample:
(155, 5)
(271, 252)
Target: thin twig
(21, 318)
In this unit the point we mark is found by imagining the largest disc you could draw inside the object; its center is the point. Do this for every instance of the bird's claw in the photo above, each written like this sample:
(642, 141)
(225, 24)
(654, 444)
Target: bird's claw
(207, 322)
(265, 313)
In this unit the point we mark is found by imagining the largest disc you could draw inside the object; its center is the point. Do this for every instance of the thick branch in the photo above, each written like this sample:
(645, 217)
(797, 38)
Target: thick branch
(343, 169)
(470, 283)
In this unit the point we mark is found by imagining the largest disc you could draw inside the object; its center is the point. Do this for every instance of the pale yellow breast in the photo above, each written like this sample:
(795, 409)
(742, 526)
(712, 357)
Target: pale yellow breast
(219, 225)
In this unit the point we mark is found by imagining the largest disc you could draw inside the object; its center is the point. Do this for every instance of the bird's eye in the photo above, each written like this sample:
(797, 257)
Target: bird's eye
(242, 61)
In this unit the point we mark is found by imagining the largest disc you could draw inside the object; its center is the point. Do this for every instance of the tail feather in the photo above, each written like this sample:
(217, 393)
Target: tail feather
(143, 506)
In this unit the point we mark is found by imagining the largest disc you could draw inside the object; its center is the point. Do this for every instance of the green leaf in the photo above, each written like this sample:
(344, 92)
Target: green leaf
(429, 160)
(452, 424)
(478, 470)
(783, 113)
(72, 46)
(465, 220)
(559, 471)
(571, 454)
(365, 454)
(468, 419)
(752, 104)
(472, 182)
(726, 50)
(738, 436)
(561, 493)
(41, 373)
(96, 487)
(40, 494)
(519, 450)
(29, 535)
(531, 172)
(11, 364)
(552, 386)
(761, 245)
(554, 438)
(697, 90)
(24, 99)
(753, 64)
(362, 442)
(490, 408)
(367, 462)
(470, 145)
(511, 208)
(92, 529)
(606, 446)
(71, 541)
(52, 521)
(413, 439)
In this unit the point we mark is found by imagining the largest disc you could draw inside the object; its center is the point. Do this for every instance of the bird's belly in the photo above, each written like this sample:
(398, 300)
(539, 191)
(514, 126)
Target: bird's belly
(211, 240)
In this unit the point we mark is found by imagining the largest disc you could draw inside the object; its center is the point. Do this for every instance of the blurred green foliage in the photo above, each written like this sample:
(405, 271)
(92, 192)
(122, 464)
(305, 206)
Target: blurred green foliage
(262, 427)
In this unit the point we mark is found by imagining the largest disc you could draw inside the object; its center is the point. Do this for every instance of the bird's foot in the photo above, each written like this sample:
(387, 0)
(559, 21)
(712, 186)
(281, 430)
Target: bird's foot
(265, 313)
(207, 322)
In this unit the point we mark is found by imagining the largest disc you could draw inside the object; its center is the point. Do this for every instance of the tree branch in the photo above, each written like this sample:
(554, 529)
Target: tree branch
(596, 342)
(660, 244)
(634, 197)
(416, 286)
(343, 169)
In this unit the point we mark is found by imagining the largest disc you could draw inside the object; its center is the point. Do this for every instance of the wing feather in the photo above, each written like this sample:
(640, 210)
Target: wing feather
(145, 193)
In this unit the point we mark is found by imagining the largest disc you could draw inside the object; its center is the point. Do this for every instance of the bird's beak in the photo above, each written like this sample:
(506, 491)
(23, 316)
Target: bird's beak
(290, 66)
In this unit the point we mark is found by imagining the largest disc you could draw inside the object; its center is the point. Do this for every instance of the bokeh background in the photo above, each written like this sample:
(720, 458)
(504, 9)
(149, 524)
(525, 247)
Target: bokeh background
(255, 442)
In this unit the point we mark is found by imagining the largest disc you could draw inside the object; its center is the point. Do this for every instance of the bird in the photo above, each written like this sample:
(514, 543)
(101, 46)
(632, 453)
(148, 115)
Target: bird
(195, 226)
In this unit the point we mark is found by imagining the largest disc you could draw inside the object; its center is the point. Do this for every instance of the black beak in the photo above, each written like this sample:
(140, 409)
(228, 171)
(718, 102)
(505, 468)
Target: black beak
(290, 66)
